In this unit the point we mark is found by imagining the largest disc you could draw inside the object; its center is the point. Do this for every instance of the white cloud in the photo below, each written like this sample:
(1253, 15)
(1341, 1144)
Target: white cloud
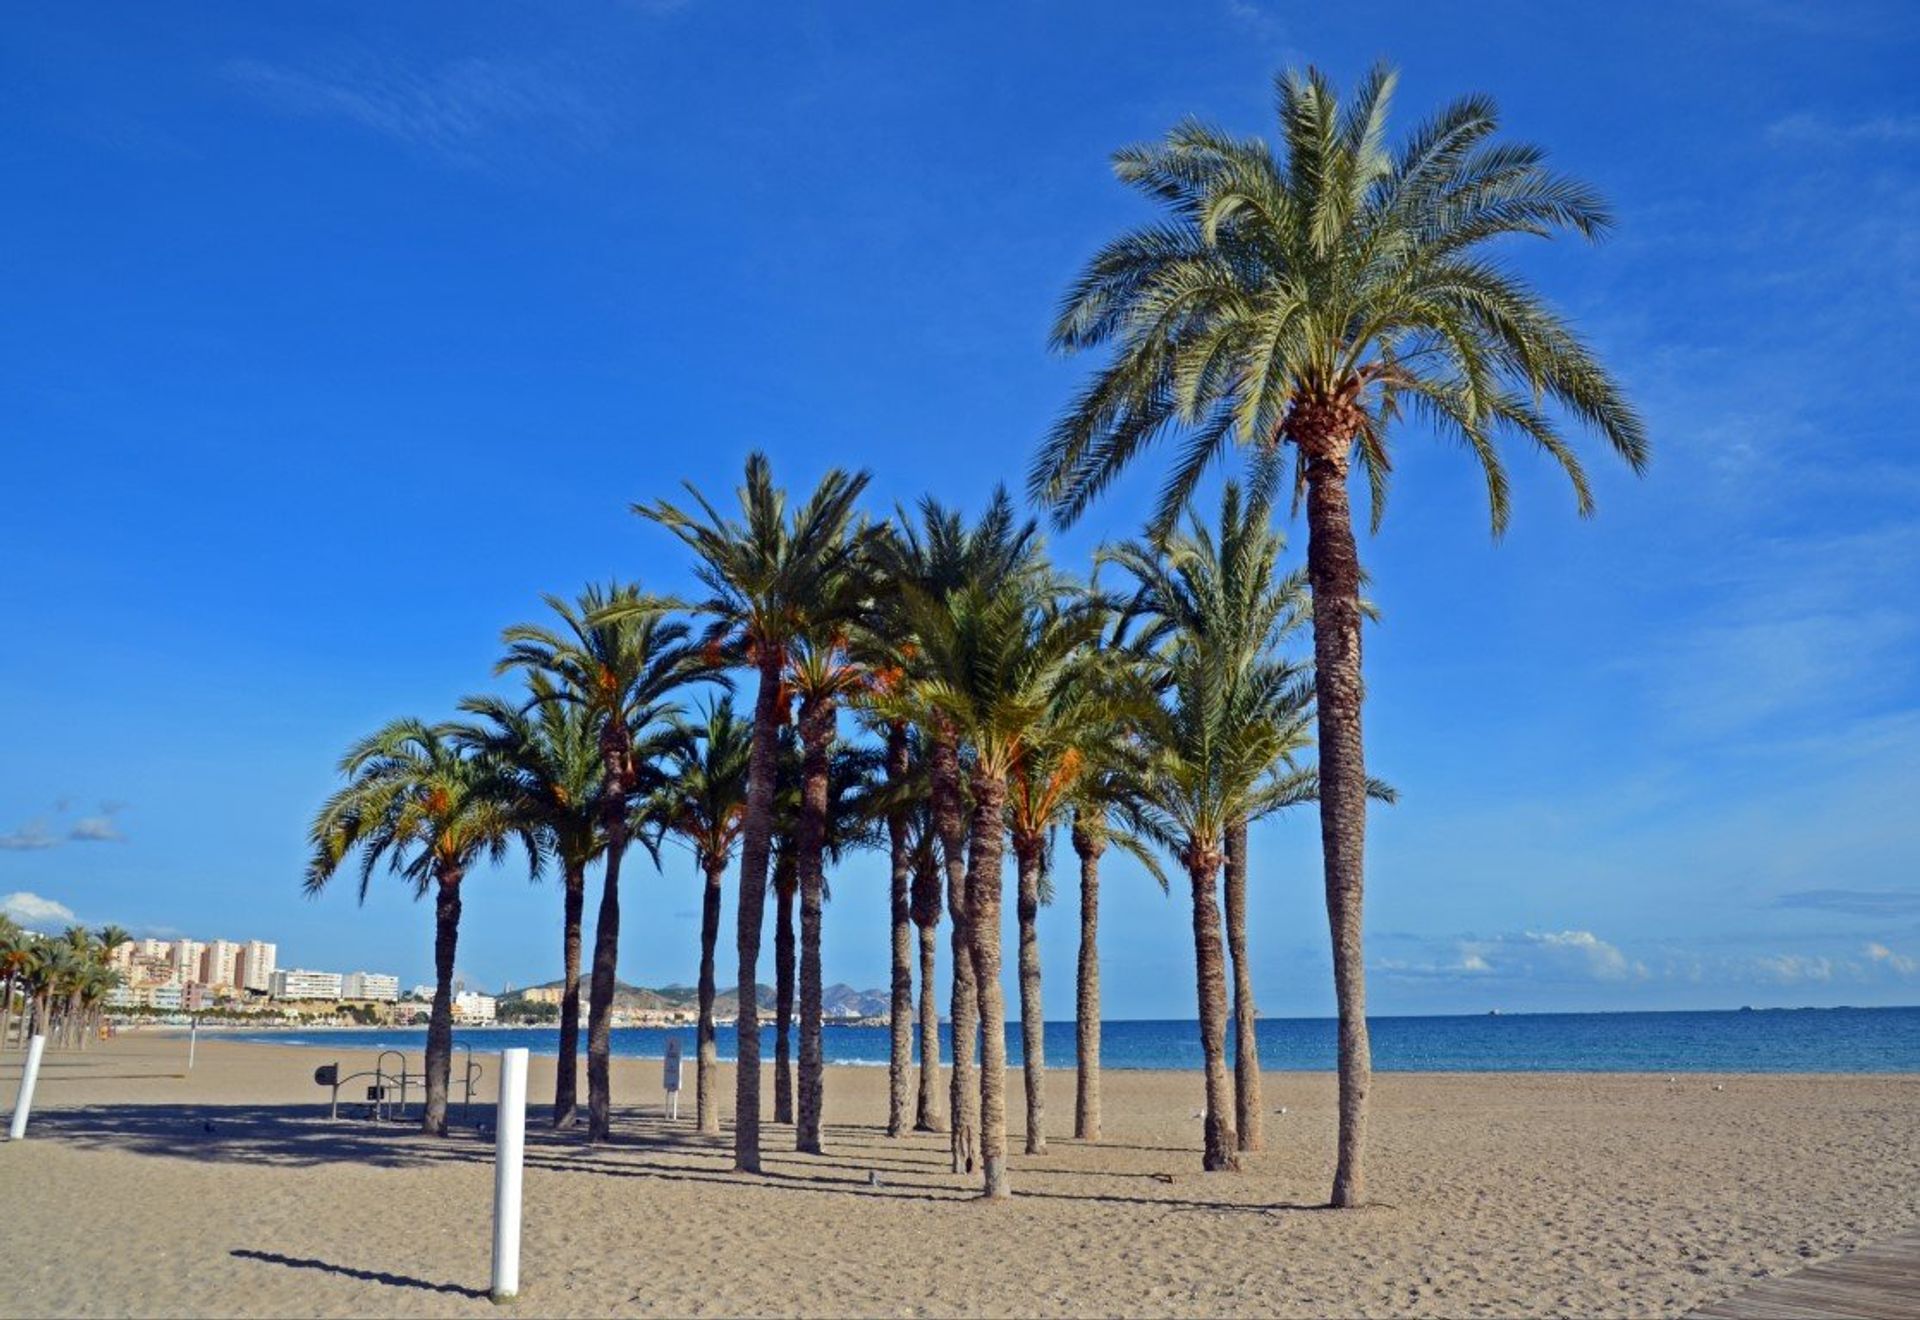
(35, 912)
(1900, 963)
(1566, 955)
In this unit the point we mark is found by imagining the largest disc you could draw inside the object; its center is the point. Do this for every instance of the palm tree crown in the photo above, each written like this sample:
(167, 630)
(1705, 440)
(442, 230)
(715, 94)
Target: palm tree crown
(1316, 295)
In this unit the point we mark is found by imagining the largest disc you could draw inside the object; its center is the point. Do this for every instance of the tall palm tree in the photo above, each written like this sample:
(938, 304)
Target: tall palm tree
(1308, 298)
(1081, 730)
(416, 800)
(1211, 758)
(1222, 585)
(928, 872)
(997, 656)
(1103, 816)
(845, 820)
(765, 574)
(622, 659)
(704, 803)
(931, 557)
(551, 749)
(824, 672)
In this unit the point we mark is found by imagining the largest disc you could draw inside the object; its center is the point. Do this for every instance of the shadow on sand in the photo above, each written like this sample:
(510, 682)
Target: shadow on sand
(370, 1276)
(861, 1161)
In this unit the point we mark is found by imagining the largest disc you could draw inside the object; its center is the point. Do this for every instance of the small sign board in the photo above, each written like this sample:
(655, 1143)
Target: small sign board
(670, 1071)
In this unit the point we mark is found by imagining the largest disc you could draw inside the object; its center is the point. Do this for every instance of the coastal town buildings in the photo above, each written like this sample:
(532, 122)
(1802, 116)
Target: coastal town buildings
(298, 983)
(374, 986)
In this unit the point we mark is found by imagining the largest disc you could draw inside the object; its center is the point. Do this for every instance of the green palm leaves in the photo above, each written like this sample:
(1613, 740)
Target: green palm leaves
(418, 801)
(1320, 294)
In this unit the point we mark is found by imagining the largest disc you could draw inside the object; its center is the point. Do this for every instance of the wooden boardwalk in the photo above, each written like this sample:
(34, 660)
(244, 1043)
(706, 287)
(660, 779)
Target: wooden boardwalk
(1878, 1282)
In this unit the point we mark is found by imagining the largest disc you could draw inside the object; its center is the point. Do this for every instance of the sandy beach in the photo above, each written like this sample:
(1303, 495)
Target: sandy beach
(141, 1190)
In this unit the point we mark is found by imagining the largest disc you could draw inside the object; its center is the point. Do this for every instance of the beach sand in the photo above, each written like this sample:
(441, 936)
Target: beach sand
(1529, 1194)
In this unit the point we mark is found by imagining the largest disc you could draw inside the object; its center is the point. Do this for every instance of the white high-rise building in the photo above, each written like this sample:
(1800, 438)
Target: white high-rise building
(294, 983)
(370, 985)
(255, 968)
(152, 948)
(187, 956)
(217, 964)
(472, 1006)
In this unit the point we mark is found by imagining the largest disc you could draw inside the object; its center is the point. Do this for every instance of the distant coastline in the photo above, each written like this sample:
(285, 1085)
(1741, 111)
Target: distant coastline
(1810, 1040)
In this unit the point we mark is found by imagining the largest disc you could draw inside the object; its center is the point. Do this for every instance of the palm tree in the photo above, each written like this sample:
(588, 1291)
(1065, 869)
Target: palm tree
(16, 951)
(1222, 586)
(417, 800)
(551, 749)
(765, 575)
(1103, 816)
(620, 658)
(928, 871)
(704, 803)
(1211, 756)
(997, 656)
(844, 821)
(1310, 297)
(930, 558)
(1081, 730)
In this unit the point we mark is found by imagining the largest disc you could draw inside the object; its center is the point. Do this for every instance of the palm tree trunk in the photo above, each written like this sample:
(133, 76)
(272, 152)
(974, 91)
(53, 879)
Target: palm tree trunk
(1209, 964)
(606, 956)
(783, 977)
(566, 1075)
(1033, 1025)
(816, 735)
(926, 1115)
(446, 934)
(1086, 1018)
(1333, 568)
(6, 1009)
(706, 1102)
(900, 1055)
(984, 906)
(943, 768)
(1247, 1104)
(756, 838)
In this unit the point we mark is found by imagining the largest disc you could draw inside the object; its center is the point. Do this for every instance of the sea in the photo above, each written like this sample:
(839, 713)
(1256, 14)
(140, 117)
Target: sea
(1806, 1040)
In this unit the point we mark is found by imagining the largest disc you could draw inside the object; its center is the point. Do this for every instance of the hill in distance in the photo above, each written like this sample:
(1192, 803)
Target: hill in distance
(837, 1001)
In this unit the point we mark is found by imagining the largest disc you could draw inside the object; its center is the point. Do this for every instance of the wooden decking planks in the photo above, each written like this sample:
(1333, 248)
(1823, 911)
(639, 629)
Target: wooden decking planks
(1878, 1282)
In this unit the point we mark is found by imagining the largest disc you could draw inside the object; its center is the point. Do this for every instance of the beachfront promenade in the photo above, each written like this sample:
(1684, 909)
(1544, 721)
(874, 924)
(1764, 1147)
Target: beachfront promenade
(140, 1190)
(1880, 1281)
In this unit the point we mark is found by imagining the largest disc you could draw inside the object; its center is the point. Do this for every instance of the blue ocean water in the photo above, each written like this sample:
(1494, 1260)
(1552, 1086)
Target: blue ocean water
(1844, 1040)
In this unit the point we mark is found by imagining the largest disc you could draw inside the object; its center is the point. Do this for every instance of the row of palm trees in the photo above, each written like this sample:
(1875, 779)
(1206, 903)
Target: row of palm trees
(61, 983)
(1306, 298)
(1005, 703)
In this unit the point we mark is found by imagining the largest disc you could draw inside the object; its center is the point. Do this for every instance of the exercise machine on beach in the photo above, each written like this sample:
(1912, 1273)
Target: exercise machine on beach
(387, 1093)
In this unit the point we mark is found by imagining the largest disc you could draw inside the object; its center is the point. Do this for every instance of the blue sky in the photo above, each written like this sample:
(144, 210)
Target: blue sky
(333, 336)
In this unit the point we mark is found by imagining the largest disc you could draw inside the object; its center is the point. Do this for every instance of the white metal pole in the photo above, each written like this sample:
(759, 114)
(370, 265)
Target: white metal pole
(509, 1158)
(193, 1042)
(31, 1074)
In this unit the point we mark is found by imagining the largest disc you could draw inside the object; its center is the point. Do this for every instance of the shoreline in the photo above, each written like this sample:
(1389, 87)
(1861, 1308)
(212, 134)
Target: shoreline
(1068, 1067)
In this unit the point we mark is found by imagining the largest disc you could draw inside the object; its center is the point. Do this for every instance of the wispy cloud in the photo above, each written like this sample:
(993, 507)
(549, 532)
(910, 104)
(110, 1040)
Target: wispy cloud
(35, 835)
(35, 912)
(1566, 955)
(30, 837)
(1853, 902)
(1810, 129)
(1574, 957)
(465, 111)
